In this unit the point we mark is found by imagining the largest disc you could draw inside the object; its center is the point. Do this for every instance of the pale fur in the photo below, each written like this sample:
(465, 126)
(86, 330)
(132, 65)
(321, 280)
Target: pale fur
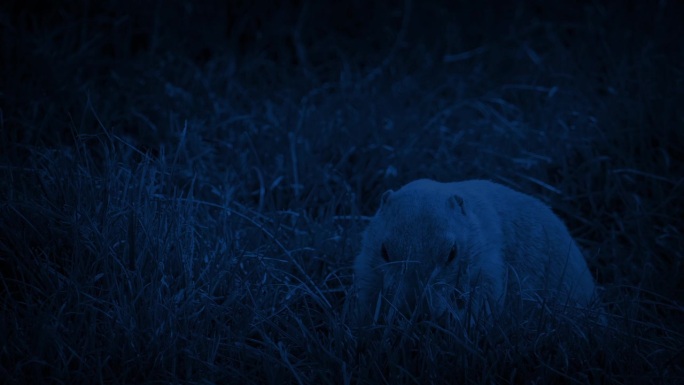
(506, 243)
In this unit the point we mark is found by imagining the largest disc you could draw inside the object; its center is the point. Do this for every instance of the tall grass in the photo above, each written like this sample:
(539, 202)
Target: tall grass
(177, 211)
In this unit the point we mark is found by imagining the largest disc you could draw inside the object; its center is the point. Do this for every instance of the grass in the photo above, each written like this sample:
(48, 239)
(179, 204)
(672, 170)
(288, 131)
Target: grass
(183, 205)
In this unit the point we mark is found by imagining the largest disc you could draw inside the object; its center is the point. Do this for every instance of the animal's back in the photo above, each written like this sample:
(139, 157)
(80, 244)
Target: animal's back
(537, 247)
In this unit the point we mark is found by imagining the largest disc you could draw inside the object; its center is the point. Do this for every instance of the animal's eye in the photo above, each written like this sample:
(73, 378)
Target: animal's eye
(383, 253)
(452, 254)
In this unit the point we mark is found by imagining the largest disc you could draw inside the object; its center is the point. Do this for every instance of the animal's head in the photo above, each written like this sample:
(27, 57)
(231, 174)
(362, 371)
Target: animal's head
(419, 245)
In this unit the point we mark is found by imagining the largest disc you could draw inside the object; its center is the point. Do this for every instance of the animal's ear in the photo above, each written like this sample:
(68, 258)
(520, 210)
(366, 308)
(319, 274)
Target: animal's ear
(385, 197)
(456, 202)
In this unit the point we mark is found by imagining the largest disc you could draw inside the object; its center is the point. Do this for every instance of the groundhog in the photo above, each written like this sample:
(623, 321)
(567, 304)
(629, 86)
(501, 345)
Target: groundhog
(465, 248)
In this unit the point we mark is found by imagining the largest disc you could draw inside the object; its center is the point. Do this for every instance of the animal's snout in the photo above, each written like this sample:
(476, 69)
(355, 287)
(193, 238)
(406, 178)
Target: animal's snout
(427, 302)
(404, 293)
(418, 298)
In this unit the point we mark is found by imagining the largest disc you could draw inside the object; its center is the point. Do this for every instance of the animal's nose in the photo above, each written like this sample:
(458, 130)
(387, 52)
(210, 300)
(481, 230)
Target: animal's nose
(415, 301)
